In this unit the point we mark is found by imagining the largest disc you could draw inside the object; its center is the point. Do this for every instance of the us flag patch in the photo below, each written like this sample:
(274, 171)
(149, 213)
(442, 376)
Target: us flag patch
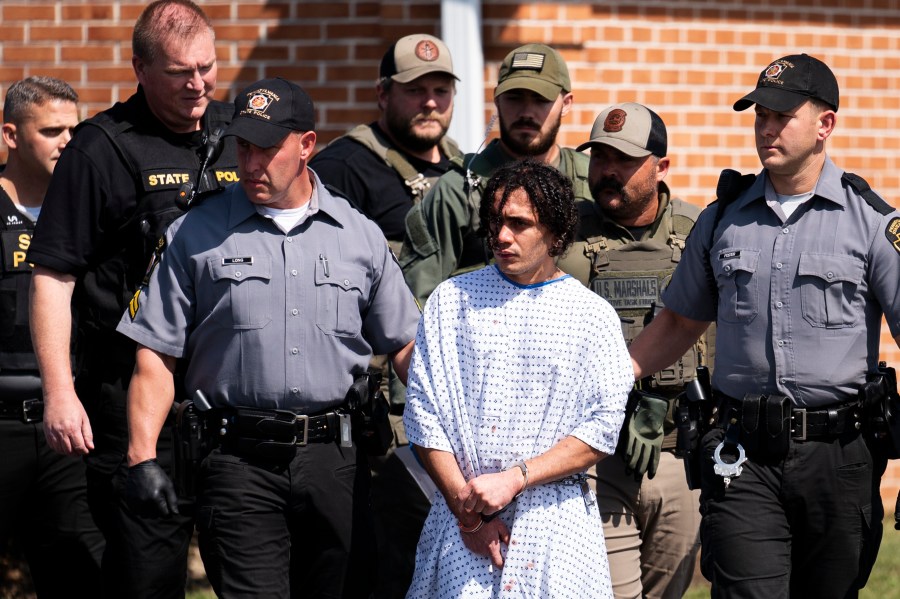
(528, 61)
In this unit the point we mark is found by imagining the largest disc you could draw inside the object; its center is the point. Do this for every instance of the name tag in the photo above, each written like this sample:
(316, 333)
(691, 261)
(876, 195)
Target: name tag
(237, 260)
(626, 293)
(729, 255)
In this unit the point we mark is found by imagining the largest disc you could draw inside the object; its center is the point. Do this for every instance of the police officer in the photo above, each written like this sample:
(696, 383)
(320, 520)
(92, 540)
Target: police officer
(533, 93)
(796, 270)
(629, 241)
(276, 294)
(384, 168)
(109, 201)
(43, 499)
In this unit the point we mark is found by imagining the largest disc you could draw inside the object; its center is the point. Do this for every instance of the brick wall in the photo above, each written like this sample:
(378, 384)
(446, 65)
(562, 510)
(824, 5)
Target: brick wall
(688, 59)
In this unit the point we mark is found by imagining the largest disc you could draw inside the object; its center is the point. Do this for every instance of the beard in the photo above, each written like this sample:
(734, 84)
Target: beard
(403, 130)
(538, 145)
(630, 203)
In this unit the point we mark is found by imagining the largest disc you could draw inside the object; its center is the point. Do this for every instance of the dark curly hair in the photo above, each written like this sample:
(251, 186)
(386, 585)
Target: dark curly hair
(551, 195)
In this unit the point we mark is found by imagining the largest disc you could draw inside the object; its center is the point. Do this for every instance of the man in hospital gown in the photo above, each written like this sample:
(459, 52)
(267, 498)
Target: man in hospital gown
(517, 386)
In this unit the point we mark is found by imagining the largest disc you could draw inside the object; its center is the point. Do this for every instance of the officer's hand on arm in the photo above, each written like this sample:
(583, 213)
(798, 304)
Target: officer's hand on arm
(663, 341)
(66, 425)
(640, 442)
(149, 491)
(150, 396)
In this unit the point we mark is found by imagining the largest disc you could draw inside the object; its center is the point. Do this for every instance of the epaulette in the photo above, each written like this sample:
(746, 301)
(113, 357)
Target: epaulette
(861, 186)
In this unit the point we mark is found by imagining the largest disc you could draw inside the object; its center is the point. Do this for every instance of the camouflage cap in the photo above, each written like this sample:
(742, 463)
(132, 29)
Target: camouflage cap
(535, 67)
(415, 55)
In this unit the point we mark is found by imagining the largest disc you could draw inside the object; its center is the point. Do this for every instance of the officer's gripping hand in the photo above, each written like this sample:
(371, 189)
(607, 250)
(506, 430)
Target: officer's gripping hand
(148, 490)
(642, 434)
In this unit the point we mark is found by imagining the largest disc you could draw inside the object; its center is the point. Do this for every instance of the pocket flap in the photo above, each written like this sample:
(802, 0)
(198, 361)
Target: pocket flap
(831, 267)
(238, 268)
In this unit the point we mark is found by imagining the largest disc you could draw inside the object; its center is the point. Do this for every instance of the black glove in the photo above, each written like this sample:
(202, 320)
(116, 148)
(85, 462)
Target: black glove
(148, 491)
(640, 441)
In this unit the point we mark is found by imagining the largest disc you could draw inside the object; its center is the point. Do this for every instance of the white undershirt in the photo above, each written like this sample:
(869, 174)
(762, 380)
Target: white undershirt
(284, 218)
(790, 203)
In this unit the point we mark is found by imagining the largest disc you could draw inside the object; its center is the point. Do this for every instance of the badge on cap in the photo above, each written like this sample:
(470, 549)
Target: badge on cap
(531, 61)
(773, 73)
(427, 51)
(615, 120)
(259, 102)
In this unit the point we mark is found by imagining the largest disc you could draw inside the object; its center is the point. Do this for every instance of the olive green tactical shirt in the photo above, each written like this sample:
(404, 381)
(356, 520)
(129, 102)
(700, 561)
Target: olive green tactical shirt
(440, 230)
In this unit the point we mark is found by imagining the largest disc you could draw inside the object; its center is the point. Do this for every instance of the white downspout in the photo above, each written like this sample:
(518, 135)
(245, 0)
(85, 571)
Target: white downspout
(461, 31)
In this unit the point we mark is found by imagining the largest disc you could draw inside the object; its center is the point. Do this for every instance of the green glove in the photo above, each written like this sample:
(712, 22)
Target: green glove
(640, 441)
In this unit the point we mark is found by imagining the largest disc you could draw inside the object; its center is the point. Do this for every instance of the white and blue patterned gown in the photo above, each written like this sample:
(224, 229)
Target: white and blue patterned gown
(500, 373)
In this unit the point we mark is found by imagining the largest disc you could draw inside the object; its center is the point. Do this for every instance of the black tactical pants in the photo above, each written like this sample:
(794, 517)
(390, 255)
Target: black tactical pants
(146, 556)
(279, 529)
(43, 503)
(805, 526)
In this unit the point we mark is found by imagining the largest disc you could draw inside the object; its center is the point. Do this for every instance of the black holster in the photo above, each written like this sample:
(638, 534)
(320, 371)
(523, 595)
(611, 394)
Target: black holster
(191, 447)
(371, 411)
(881, 408)
(694, 415)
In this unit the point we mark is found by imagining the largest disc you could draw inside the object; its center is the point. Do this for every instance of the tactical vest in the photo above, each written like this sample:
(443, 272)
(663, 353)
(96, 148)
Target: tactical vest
(376, 143)
(417, 183)
(158, 168)
(477, 169)
(16, 351)
(631, 275)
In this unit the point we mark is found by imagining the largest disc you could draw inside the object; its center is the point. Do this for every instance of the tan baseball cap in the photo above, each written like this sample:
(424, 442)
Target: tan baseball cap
(631, 128)
(415, 55)
(535, 67)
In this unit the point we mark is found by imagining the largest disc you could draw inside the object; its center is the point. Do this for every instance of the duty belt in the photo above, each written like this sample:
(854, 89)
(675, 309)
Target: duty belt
(27, 410)
(806, 424)
(271, 433)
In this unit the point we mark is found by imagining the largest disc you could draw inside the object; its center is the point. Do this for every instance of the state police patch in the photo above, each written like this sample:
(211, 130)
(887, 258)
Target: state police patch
(892, 232)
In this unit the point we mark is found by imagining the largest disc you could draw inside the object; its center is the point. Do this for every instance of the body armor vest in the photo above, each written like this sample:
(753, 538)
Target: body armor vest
(376, 143)
(631, 275)
(159, 167)
(16, 351)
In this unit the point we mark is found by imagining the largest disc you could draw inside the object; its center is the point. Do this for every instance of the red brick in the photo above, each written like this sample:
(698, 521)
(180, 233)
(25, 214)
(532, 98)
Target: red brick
(109, 33)
(269, 10)
(11, 73)
(236, 32)
(300, 74)
(56, 33)
(25, 12)
(329, 52)
(253, 52)
(95, 95)
(110, 74)
(294, 32)
(87, 12)
(86, 53)
(64, 73)
(30, 53)
(216, 12)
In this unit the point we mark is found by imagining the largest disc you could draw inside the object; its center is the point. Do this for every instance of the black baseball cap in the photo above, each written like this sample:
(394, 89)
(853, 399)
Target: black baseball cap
(266, 111)
(788, 81)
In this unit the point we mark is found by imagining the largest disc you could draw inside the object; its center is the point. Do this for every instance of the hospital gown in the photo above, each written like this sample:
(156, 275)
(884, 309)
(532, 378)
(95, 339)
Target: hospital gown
(501, 373)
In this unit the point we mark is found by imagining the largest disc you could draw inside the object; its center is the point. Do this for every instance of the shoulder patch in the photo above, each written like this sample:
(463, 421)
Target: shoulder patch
(892, 232)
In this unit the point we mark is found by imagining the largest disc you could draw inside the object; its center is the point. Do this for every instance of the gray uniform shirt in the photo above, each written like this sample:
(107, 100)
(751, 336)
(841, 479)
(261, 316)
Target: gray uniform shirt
(271, 320)
(800, 301)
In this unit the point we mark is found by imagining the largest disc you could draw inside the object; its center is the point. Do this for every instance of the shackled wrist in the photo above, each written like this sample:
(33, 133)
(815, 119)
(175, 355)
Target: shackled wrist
(470, 530)
(524, 468)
